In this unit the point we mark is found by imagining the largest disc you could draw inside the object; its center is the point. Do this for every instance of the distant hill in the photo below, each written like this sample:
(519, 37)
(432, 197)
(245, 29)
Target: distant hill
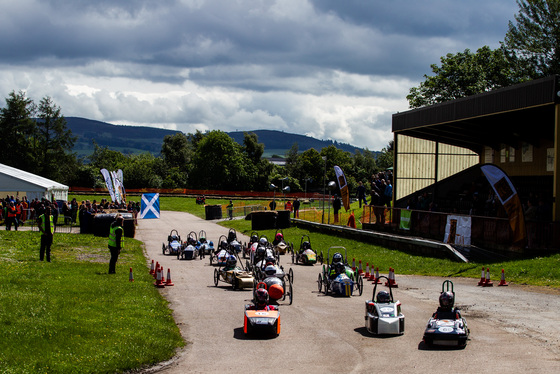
(140, 139)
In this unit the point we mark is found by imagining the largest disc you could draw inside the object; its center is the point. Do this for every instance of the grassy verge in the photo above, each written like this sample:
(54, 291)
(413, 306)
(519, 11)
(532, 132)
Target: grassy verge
(70, 316)
(538, 271)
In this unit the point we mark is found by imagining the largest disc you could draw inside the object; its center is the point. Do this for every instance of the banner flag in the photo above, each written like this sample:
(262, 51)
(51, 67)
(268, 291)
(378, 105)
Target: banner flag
(120, 185)
(509, 198)
(108, 183)
(341, 179)
(149, 205)
(116, 187)
(458, 230)
(405, 219)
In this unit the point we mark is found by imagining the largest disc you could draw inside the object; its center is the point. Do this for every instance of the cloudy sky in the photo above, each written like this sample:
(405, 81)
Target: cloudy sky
(331, 69)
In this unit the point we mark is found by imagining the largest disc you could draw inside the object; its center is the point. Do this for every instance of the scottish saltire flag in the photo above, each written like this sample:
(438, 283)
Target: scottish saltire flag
(149, 205)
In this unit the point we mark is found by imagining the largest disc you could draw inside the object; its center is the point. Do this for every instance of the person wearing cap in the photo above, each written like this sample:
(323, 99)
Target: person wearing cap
(46, 226)
(115, 242)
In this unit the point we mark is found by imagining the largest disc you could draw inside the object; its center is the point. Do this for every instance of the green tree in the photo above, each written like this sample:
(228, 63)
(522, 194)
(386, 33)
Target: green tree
(176, 150)
(143, 171)
(105, 158)
(219, 163)
(534, 39)
(259, 167)
(16, 128)
(385, 159)
(53, 141)
(464, 74)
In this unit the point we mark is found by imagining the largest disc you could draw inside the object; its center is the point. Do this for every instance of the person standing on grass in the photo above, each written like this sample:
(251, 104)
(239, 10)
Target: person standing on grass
(230, 209)
(296, 208)
(46, 226)
(337, 204)
(115, 242)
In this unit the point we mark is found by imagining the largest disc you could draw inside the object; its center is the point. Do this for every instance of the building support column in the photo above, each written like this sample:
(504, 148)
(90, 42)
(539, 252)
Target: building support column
(556, 172)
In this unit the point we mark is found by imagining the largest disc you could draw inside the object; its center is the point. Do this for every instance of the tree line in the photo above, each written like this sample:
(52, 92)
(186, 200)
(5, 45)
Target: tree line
(36, 139)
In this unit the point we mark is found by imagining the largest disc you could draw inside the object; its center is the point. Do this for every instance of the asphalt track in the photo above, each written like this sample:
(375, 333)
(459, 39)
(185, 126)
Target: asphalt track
(514, 329)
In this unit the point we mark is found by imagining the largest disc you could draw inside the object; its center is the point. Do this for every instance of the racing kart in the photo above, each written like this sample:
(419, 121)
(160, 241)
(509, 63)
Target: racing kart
(279, 284)
(238, 277)
(252, 245)
(189, 250)
(306, 255)
(205, 247)
(339, 279)
(232, 241)
(384, 316)
(447, 328)
(261, 321)
(264, 251)
(174, 244)
(280, 245)
(219, 256)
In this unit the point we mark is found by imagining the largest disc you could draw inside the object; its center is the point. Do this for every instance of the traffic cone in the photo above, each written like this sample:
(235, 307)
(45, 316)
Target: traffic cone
(156, 269)
(376, 280)
(371, 274)
(158, 282)
(353, 264)
(360, 270)
(503, 279)
(481, 281)
(394, 280)
(366, 275)
(389, 276)
(130, 276)
(169, 283)
(152, 269)
(162, 276)
(487, 281)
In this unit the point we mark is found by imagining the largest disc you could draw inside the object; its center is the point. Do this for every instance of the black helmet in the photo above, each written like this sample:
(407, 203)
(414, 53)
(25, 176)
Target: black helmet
(254, 238)
(270, 271)
(446, 300)
(270, 260)
(340, 268)
(261, 296)
(336, 258)
(231, 261)
(306, 245)
(383, 297)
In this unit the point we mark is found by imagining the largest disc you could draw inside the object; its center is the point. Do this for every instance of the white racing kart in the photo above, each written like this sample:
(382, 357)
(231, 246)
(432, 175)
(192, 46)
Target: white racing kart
(383, 315)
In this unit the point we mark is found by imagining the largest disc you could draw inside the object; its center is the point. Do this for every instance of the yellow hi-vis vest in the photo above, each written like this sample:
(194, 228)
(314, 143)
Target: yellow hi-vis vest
(113, 237)
(44, 224)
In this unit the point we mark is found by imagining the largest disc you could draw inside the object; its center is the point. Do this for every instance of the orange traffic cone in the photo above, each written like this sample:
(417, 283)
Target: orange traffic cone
(366, 275)
(169, 283)
(376, 280)
(388, 281)
(360, 270)
(392, 280)
(156, 269)
(353, 264)
(152, 269)
(162, 276)
(503, 279)
(481, 281)
(158, 282)
(130, 276)
(371, 274)
(487, 281)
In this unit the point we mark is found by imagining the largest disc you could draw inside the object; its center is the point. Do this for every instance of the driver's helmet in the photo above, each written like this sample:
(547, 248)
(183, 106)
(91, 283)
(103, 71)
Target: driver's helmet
(306, 245)
(340, 268)
(231, 261)
(337, 258)
(254, 239)
(263, 241)
(261, 252)
(231, 236)
(174, 238)
(223, 244)
(279, 237)
(261, 296)
(211, 243)
(383, 297)
(446, 300)
(270, 260)
(202, 239)
(270, 271)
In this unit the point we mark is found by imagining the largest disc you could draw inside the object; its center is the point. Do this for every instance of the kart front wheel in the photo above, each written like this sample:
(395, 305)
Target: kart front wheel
(291, 294)
(216, 277)
(320, 282)
(360, 286)
(163, 248)
(291, 275)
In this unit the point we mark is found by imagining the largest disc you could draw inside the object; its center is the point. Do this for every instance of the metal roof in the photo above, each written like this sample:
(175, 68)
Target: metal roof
(510, 115)
(12, 179)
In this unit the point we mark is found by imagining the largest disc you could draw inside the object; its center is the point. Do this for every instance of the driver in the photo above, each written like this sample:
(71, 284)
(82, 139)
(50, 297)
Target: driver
(383, 297)
(337, 267)
(231, 263)
(270, 271)
(278, 239)
(445, 309)
(261, 301)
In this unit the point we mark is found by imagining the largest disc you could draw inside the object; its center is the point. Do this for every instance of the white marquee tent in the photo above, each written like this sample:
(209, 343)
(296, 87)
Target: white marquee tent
(21, 183)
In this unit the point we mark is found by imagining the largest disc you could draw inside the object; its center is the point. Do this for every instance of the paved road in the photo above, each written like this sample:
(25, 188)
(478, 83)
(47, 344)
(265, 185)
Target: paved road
(513, 329)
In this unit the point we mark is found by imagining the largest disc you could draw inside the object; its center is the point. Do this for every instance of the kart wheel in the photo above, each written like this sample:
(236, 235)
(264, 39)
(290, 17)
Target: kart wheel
(293, 257)
(216, 277)
(291, 295)
(163, 248)
(320, 282)
(360, 286)
(325, 281)
(321, 258)
(178, 255)
(291, 275)
(211, 259)
(234, 284)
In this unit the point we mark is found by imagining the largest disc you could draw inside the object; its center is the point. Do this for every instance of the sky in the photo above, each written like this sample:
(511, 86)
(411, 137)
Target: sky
(330, 69)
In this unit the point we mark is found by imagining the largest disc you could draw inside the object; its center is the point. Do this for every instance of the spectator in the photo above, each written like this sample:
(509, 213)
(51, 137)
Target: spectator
(296, 207)
(361, 194)
(115, 242)
(337, 204)
(272, 205)
(46, 226)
